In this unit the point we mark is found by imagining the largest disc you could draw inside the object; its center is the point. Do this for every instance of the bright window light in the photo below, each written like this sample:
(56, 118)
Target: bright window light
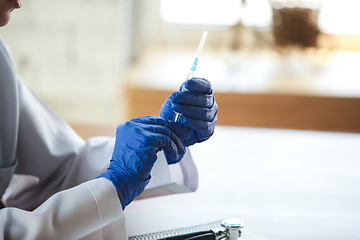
(256, 13)
(340, 17)
(201, 12)
(336, 17)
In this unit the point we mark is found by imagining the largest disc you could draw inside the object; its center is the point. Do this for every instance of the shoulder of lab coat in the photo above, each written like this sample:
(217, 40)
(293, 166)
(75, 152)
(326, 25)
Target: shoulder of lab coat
(89, 211)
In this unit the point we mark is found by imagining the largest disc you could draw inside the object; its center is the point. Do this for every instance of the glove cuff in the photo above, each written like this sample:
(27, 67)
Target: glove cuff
(127, 188)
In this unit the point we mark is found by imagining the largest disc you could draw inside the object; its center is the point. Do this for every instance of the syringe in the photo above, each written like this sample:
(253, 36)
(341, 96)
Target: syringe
(191, 73)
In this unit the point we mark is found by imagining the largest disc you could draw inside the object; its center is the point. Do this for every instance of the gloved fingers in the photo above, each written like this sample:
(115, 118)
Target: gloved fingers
(205, 114)
(150, 120)
(172, 146)
(179, 129)
(147, 130)
(142, 138)
(166, 110)
(161, 136)
(200, 85)
(171, 159)
(203, 129)
(197, 108)
(193, 98)
(165, 138)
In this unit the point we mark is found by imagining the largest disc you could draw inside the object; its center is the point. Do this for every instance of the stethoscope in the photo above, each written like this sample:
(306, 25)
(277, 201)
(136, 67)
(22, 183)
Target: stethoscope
(231, 231)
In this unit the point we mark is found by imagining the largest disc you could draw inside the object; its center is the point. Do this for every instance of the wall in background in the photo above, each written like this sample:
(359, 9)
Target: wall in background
(73, 54)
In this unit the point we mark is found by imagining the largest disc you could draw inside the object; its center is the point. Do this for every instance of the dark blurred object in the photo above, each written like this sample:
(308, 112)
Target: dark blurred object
(294, 25)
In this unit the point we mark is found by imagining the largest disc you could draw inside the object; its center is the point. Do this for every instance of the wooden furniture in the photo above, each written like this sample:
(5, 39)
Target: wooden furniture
(91, 130)
(264, 110)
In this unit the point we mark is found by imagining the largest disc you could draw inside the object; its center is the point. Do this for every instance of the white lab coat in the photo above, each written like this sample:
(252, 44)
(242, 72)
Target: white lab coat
(53, 193)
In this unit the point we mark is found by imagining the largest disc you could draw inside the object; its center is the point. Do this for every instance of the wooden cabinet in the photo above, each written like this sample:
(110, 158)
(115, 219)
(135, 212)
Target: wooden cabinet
(264, 110)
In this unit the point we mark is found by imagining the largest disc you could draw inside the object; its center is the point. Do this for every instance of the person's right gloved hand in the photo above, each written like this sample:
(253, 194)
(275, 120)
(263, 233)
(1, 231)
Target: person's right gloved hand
(136, 145)
(198, 110)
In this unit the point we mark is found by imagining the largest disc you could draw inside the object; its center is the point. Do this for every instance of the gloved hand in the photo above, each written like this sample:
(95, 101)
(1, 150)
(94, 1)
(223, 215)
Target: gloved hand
(198, 108)
(137, 142)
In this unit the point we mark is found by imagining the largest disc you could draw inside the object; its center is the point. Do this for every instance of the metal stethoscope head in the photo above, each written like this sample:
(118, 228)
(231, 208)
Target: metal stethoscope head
(232, 229)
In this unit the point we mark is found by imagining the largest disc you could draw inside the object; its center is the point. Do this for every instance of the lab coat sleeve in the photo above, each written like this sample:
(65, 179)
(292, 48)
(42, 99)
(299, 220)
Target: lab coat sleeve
(89, 211)
(50, 155)
(8, 117)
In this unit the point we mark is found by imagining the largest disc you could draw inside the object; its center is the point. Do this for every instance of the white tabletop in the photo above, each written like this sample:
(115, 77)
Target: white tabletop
(283, 184)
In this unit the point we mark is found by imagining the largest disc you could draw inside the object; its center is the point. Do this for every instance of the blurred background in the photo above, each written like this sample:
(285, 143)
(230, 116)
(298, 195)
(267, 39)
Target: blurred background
(276, 64)
(273, 64)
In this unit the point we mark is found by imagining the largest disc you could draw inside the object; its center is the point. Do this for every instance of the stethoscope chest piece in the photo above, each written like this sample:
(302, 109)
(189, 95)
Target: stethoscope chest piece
(232, 228)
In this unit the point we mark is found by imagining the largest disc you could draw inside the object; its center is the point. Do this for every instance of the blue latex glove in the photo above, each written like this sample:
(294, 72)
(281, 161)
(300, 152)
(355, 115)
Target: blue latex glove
(198, 108)
(136, 145)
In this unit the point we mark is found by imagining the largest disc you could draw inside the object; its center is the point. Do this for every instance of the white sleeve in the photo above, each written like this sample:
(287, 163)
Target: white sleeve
(89, 211)
(44, 152)
(172, 179)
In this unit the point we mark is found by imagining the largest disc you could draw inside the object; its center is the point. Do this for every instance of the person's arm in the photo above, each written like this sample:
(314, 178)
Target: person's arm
(8, 117)
(50, 155)
(33, 140)
(51, 152)
(90, 211)
(53, 157)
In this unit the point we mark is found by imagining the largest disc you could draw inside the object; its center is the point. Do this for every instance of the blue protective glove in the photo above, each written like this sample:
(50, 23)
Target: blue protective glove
(198, 108)
(136, 145)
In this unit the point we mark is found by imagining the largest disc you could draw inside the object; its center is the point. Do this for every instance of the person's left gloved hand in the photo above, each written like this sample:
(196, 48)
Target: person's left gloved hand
(198, 108)
(137, 143)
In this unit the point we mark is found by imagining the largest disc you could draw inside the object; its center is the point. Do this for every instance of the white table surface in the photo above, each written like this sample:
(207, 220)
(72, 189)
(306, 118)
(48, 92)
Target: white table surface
(283, 184)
